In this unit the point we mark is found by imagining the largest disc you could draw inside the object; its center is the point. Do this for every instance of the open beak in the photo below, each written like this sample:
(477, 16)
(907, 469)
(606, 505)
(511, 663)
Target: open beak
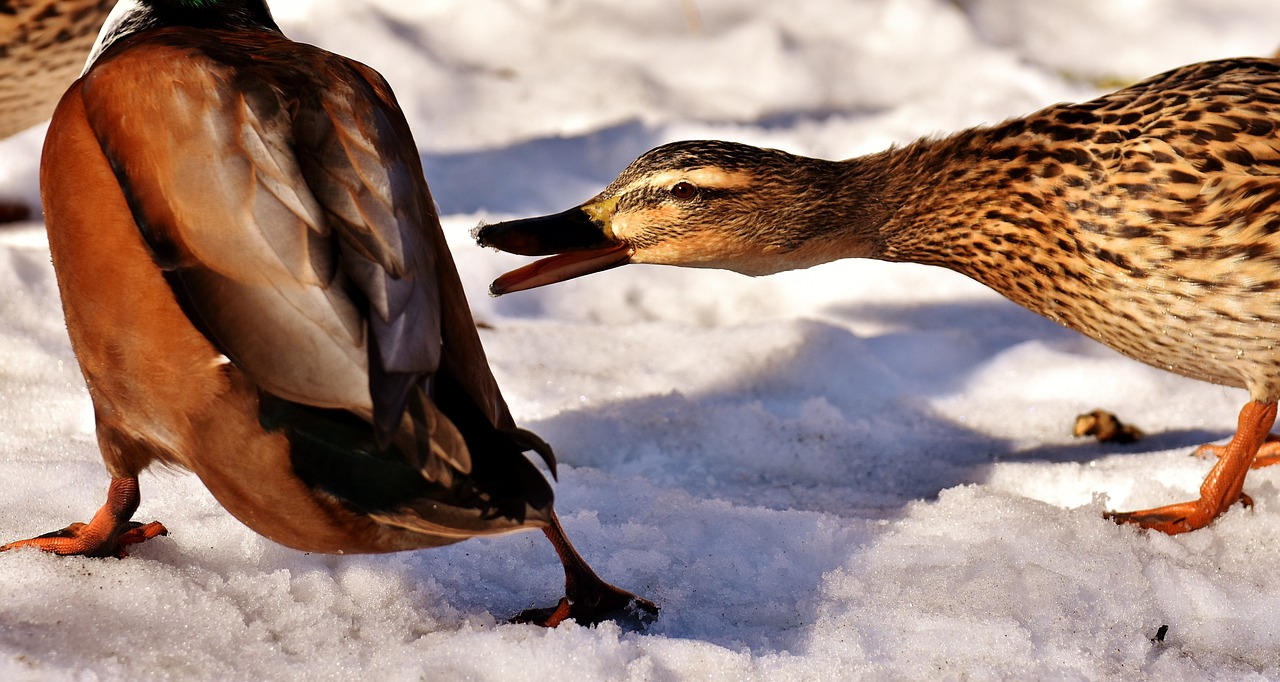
(580, 239)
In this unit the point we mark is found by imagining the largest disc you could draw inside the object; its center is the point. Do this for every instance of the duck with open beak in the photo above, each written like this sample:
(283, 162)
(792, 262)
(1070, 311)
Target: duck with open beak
(1147, 219)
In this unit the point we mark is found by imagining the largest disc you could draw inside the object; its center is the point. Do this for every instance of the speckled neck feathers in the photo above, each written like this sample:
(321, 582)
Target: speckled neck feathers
(42, 50)
(1146, 218)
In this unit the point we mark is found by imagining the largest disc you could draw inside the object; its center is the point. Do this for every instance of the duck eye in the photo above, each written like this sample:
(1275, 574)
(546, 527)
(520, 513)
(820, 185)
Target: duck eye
(683, 190)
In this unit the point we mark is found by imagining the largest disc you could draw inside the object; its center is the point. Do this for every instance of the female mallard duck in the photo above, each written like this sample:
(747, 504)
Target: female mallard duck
(1146, 219)
(257, 289)
(43, 44)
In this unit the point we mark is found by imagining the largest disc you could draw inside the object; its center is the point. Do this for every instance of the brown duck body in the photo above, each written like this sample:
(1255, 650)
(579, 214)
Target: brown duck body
(1146, 219)
(257, 289)
(162, 391)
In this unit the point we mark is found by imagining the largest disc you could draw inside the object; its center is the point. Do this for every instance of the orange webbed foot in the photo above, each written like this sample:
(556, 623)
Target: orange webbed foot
(588, 599)
(1175, 518)
(1223, 486)
(603, 603)
(108, 534)
(84, 540)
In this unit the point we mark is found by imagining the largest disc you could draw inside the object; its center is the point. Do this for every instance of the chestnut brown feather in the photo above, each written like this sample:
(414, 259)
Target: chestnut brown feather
(257, 290)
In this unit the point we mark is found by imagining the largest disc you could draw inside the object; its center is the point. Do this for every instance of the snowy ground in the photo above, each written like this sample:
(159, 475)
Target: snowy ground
(859, 471)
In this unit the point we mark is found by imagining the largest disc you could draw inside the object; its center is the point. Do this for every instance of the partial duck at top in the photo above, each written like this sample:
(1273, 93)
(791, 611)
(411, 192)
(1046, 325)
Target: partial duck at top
(1146, 219)
(257, 290)
(43, 45)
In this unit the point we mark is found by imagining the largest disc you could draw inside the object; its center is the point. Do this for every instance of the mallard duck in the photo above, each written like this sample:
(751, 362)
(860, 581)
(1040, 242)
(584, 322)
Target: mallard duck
(257, 289)
(43, 44)
(1146, 219)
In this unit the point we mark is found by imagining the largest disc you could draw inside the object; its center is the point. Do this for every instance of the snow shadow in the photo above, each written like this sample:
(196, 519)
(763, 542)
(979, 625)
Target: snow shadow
(821, 444)
(537, 176)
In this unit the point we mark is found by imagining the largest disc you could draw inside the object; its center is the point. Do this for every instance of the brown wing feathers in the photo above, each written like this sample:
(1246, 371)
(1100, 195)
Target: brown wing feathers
(335, 296)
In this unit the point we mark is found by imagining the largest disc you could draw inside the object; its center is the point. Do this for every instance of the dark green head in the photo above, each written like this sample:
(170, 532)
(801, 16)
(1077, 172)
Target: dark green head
(134, 16)
(210, 12)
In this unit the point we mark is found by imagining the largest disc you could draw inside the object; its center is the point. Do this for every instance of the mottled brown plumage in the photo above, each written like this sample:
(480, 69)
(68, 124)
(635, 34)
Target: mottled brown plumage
(43, 45)
(1146, 219)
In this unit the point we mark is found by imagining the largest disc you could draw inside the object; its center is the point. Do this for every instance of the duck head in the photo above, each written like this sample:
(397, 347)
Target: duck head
(702, 203)
(131, 16)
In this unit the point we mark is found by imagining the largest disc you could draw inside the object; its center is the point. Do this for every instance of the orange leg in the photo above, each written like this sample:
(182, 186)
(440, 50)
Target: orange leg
(108, 534)
(1222, 487)
(588, 599)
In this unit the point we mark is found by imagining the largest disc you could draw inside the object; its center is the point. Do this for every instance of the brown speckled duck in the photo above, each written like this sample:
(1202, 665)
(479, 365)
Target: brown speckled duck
(1146, 219)
(257, 290)
(43, 45)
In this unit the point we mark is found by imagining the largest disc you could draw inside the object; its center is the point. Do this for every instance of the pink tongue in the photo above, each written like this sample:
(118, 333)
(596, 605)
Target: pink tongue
(559, 268)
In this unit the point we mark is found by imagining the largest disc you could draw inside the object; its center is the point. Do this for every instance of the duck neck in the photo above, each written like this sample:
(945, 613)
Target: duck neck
(927, 202)
(986, 202)
(834, 210)
(130, 17)
(940, 191)
(894, 205)
(228, 14)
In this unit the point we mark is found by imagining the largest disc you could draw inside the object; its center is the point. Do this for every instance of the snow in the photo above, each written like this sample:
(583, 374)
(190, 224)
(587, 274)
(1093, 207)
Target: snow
(857, 471)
